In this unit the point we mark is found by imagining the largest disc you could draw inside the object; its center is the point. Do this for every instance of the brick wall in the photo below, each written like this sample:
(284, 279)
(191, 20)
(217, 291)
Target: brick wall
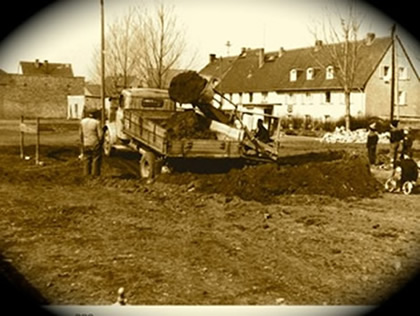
(32, 96)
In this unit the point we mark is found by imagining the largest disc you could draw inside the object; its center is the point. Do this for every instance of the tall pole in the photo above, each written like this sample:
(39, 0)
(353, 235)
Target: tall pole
(391, 116)
(102, 64)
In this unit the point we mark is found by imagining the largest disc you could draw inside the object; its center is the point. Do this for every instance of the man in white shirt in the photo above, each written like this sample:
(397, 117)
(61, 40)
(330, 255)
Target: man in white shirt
(91, 144)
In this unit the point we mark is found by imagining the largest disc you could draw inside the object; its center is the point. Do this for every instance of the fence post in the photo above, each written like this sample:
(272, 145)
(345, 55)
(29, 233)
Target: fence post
(37, 142)
(22, 142)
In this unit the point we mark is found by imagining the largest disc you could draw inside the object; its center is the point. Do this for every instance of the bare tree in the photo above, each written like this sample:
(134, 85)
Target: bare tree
(340, 50)
(121, 57)
(163, 45)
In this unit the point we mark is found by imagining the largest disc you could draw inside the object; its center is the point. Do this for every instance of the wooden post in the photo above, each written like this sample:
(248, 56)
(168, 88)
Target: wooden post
(37, 142)
(22, 142)
(392, 101)
(278, 136)
(102, 63)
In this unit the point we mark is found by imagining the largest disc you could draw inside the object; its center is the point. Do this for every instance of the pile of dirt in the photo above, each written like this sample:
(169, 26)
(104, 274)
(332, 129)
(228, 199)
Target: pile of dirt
(188, 125)
(342, 178)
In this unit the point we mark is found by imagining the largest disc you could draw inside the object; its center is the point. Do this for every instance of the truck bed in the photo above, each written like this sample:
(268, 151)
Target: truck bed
(143, 127)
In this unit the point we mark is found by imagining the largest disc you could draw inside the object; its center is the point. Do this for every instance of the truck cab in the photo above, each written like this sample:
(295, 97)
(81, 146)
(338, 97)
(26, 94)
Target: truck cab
(149, 102)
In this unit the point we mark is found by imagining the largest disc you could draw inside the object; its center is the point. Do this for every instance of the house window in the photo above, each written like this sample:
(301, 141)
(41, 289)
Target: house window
(328, 97)
(402, 73)
(402, 97)
(251, 97)
(309, 74)
(293, 75)
(308, 98)
(386, 73)
(291, 98)
(264, 96)
(329, 73)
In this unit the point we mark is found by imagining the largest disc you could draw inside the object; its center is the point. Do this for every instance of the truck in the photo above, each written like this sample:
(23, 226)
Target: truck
(136, 122)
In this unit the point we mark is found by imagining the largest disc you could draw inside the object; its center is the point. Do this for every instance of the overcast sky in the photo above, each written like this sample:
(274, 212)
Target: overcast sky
(69, 31)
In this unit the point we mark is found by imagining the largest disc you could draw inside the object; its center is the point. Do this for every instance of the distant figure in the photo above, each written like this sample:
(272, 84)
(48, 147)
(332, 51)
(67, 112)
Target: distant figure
(262, 133)
(409, 170)
(407, 143)
(91, 144)
(396, 136)
(371, 144)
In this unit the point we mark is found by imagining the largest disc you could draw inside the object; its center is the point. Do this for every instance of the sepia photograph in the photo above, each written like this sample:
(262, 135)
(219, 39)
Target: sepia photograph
(209, 157)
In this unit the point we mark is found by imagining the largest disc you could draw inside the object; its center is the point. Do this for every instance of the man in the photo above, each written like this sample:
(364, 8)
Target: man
(396, 136)
(262, 133)
(91, 141)
(407, 144)
(372, 142)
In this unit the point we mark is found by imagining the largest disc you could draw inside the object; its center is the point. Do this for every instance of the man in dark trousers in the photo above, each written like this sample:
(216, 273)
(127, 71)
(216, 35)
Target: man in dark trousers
(371, 144)
(91, 144)
(396, 136)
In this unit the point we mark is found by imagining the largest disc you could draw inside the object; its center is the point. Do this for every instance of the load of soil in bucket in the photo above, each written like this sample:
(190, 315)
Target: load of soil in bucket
(187, 87)
(341, 178)
(188, 125)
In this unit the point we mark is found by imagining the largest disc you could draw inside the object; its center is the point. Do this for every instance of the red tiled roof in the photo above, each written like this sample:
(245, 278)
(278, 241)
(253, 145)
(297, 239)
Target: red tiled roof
(245, 75)
(46, 68)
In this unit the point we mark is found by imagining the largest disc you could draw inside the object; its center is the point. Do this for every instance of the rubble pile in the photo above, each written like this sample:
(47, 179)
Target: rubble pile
(359, 136)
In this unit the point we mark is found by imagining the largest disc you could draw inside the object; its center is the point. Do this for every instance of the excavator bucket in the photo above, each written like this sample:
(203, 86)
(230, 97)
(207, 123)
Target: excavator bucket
(191, 88)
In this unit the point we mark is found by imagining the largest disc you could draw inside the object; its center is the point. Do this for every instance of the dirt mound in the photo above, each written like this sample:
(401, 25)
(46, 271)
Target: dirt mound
(342, 178)
(187, 125)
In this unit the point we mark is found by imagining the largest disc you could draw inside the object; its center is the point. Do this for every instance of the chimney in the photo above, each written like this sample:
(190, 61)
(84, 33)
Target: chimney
(281, 52)
(212, 57)
(370, 37)
(318, 45)
(260, 53)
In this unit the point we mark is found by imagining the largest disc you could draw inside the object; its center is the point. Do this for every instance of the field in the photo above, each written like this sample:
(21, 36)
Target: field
(178, 241)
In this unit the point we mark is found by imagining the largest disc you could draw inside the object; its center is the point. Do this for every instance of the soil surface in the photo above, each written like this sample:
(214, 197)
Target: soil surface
(319, 232)
(188, 125)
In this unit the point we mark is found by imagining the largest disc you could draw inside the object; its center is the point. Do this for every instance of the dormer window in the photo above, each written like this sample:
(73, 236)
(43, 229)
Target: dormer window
(329, 74)
(293, 75)
(310, 74)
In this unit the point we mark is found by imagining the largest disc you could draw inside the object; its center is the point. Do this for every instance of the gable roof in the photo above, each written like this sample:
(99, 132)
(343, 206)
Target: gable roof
(245, 75)
(46, 68)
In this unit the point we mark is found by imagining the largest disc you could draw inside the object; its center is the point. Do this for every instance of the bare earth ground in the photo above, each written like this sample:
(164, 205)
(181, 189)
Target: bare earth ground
(78, 240)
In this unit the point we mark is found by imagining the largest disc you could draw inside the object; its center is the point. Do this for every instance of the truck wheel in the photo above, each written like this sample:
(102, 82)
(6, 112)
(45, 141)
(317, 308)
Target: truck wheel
(148, 165)
(107, 145)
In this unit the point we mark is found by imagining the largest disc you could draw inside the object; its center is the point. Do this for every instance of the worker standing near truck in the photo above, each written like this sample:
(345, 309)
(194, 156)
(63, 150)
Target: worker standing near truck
(371, 144)
(91, 144)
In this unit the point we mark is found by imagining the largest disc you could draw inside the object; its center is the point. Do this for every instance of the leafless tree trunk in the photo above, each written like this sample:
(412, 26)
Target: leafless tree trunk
(120, 55)
(162, 43)
(340, 50)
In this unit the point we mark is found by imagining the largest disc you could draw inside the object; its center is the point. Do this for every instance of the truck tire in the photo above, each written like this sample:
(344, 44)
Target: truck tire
(148, 165)
(107, 145)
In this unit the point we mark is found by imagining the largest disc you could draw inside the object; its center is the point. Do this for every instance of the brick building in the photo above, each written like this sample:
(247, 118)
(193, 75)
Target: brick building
(41, 90)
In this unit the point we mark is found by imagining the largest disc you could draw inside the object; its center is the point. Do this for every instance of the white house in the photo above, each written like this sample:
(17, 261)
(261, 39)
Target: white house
(289, 83)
